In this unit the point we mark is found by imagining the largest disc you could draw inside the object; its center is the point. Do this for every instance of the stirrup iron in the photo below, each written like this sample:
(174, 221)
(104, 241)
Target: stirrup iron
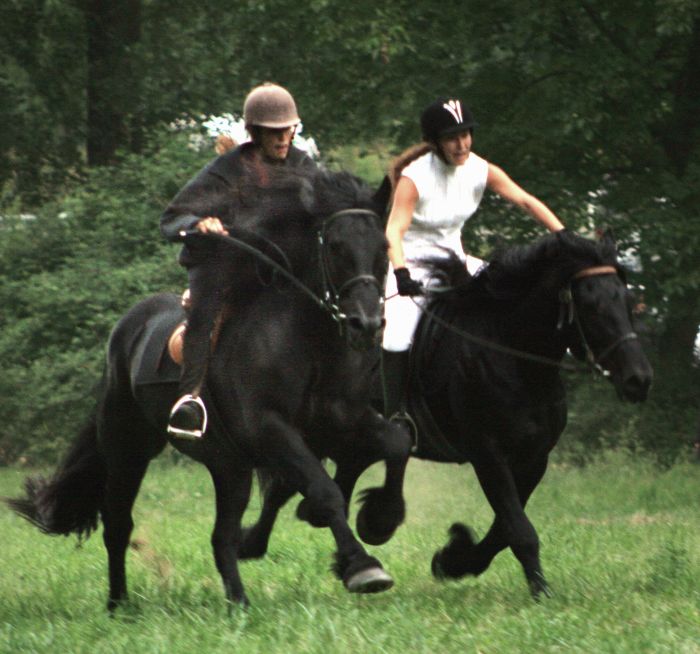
(404, 417)
(188, 434)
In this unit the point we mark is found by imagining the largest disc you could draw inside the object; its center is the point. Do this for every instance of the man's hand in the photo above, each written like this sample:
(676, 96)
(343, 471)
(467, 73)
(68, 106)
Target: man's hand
(211, 225)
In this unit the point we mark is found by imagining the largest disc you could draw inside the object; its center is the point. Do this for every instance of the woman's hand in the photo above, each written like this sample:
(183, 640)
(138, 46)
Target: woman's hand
(405, 284)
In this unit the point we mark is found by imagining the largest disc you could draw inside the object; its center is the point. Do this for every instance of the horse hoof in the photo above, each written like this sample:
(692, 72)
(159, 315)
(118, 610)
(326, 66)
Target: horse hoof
(436, 567)
(371, 580)
(366, 534)
(379, 516)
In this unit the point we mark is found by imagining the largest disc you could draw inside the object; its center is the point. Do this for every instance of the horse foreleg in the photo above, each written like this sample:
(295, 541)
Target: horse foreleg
(507, 493)
(232, 487)
(384, 508)
(475, 557)
(348, 471)
(257, 537)
(121, 489)
(286, 450)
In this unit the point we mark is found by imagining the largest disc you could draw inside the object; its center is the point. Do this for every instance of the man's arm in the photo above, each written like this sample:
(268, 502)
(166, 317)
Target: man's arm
(198, 205)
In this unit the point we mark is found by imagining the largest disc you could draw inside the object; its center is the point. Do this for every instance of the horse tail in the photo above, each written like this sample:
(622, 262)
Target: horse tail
(70, 500)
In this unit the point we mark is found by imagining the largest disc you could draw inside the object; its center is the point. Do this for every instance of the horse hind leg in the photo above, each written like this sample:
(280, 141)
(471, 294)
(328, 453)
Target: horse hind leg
(128, 443)
(256, 538)
(123, 484)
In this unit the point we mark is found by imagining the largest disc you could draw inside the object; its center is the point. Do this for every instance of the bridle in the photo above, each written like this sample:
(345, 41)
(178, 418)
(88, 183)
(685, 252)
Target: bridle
(332, 294)
(330, 297)
(568, 308)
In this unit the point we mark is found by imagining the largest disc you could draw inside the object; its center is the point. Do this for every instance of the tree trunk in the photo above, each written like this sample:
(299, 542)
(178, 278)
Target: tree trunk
(113, 28)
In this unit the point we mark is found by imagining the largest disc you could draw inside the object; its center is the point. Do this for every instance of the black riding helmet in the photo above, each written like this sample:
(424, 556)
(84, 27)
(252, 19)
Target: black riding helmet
(445, 116)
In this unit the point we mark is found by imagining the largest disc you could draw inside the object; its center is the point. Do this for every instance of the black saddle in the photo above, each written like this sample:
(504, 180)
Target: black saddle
(151, 363)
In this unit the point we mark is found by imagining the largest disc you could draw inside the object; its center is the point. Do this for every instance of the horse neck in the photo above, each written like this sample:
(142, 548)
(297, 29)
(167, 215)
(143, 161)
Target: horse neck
(532, 324)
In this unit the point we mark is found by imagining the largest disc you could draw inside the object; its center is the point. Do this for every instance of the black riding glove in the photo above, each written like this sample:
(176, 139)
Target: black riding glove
(405, 284)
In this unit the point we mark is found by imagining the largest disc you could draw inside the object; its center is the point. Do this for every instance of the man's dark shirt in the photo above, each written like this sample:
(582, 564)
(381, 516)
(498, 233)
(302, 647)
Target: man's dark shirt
(217, 191)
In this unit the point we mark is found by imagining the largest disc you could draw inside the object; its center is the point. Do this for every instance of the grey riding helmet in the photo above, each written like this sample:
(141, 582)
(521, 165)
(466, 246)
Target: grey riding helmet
(270, 105)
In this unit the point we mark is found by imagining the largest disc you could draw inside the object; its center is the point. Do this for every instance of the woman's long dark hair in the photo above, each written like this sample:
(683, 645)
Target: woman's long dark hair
(406, 157)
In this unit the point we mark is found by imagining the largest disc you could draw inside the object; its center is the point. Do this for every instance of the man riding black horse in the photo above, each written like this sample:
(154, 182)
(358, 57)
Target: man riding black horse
(204, 204)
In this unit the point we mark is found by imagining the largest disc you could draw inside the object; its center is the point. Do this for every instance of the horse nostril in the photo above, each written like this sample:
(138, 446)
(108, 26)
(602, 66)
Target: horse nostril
(636, 387)
(356, 323)
(365, 323)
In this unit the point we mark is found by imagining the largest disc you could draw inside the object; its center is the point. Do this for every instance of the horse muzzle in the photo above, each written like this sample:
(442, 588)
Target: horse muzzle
(635, 387)
(632, 379)
(630, 370)
(363, 331)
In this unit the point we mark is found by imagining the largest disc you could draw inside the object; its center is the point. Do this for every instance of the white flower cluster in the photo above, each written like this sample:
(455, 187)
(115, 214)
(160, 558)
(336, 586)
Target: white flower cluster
(230, 125)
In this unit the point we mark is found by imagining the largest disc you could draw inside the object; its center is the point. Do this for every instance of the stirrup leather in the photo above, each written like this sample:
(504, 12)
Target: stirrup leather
(191, 434)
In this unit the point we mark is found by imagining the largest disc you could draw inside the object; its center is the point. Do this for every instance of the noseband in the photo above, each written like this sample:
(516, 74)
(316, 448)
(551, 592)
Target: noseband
(568, 309)
(331, 293)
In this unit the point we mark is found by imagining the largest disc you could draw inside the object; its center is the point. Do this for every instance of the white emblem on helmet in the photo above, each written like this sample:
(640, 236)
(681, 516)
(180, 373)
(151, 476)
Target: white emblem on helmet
(455, 108)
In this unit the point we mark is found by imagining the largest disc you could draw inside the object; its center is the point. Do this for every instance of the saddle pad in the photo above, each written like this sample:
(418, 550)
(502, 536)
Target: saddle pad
(151, 363)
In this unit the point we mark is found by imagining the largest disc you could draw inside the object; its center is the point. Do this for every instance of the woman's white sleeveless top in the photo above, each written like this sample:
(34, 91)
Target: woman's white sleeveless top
(447, 198)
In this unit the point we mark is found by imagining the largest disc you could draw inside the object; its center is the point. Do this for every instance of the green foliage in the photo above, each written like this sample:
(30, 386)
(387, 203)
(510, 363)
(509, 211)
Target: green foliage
(41, 97)
(591, 106)
(68, 274)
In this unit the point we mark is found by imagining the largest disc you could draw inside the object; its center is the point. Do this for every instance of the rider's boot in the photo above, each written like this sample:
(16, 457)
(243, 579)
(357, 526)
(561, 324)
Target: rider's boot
(394, 382)
(188, 417)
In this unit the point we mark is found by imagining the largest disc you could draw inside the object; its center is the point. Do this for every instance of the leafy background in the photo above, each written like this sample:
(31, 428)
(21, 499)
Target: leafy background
(591, 105)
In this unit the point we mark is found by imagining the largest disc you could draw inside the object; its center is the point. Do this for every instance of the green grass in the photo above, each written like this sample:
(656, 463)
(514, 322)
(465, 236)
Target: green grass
(620, 548)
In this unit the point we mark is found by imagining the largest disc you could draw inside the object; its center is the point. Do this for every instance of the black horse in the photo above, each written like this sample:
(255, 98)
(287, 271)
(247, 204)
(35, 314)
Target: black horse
(485, 387)
(288, 385)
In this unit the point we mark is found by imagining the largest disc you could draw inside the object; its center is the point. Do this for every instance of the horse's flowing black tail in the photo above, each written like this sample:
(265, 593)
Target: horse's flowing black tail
(68, 502)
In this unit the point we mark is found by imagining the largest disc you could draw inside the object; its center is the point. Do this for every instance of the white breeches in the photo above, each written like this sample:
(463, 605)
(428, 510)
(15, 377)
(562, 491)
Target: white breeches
(403, 313)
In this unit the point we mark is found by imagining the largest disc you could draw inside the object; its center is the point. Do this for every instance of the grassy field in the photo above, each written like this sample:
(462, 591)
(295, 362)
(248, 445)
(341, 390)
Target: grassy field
(620, 547)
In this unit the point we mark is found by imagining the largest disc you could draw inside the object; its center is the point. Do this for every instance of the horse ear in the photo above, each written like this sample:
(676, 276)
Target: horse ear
(381, 198)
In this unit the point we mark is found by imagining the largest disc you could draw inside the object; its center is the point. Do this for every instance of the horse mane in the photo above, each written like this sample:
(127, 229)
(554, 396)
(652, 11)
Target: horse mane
(302, 194)
(279, 214)
(511, 271)
(336, 191)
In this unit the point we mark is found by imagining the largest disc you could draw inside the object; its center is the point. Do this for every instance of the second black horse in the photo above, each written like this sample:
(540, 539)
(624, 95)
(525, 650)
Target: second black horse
(486, 388)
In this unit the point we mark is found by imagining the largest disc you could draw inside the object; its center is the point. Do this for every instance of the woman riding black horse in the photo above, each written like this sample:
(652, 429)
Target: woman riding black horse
(439, 186)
